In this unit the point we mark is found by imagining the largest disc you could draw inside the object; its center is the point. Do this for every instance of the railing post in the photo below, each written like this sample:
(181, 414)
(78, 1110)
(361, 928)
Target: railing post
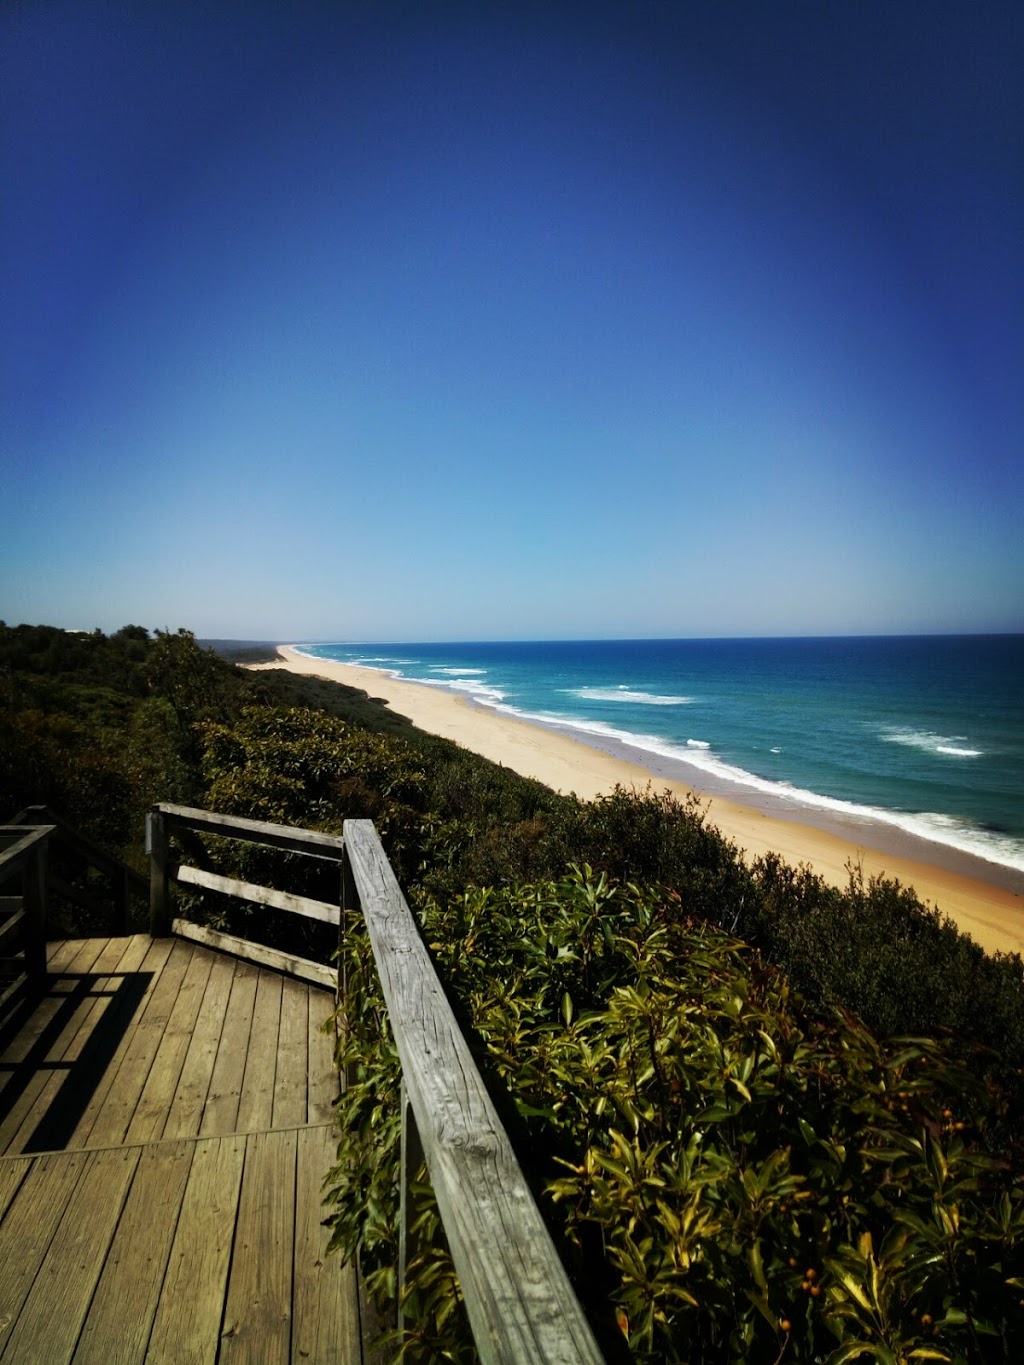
(412, 1159)
(347, 895)
(349, 905)
(159, 893)
(34, 902)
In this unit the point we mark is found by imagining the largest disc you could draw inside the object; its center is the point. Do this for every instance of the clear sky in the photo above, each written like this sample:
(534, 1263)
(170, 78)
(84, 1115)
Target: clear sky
(468, 321)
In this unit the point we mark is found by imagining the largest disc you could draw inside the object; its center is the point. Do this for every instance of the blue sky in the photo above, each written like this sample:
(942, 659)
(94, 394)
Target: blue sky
(493, 321)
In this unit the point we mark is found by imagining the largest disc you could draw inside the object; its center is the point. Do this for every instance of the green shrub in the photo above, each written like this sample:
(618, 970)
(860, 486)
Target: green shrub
(740, 1175)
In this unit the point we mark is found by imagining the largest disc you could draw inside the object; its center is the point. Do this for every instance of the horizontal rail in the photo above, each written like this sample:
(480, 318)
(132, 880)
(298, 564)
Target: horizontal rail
(11, 926)
(75, 842)
(300, 967)
(521, 1305)
(12, 993)
(160, 824)
(22, 840)
(258, 895)
(307, 841)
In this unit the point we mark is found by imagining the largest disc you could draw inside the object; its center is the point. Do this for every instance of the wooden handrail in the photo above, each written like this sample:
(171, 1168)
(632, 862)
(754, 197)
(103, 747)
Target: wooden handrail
(520, 1303)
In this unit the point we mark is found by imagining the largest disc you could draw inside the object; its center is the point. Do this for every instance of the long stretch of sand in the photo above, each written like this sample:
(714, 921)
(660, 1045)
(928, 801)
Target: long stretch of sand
(992, 914)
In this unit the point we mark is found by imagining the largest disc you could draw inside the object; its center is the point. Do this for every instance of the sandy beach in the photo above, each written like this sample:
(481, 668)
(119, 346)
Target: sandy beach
(992, 914)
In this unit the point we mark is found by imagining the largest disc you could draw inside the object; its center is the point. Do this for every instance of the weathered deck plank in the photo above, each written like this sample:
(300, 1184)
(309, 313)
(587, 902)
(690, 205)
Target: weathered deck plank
(222, 1102)
(188, 1317)
(186, 1111)
(134, 1271)
(27, 1230)
(60, 951)
(165, 1074)
(290, 1084)
(326, 1326)
(323, 1075)
(256, 1103)
(12, 1173)
(55, 1307)
(258, 1312)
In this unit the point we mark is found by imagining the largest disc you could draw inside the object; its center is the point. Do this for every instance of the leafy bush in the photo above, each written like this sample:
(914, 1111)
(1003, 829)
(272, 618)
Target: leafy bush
(740, 1175)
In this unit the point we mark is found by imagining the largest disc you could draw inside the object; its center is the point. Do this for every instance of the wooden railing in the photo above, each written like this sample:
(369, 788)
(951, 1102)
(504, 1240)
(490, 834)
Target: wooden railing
(165, 820)
(521, 1306)
(23, 915)
(123, 881)
(520, 1303)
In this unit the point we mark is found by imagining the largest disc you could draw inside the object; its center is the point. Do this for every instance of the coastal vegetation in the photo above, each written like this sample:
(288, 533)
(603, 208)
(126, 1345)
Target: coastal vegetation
(767, 1119)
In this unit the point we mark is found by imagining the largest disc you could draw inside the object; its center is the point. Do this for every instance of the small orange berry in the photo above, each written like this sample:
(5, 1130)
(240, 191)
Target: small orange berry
(792, 1263)
(926, 1319)
(806, 1286)
(811, 1274)
(815, 1290)
(786, 1325)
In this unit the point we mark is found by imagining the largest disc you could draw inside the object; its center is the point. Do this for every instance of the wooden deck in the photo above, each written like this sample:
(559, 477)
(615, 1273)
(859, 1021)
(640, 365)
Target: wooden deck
(165, 1127)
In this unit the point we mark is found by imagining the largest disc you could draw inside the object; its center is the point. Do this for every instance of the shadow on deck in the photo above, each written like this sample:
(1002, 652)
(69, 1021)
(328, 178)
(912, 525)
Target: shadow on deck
(122, 995)
(165, 1128)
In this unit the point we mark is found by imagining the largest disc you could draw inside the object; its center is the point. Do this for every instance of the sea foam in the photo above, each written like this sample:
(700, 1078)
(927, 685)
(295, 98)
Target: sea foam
(627, 694)
(480, 692)
(949, 830)
(930, 743)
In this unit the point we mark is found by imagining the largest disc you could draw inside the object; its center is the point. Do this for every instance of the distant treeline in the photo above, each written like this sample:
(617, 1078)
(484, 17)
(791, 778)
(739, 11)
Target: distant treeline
(242, 651)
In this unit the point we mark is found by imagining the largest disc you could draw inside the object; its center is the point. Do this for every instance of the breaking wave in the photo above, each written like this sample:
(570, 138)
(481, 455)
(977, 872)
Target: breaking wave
(928, 742)
(627, 694)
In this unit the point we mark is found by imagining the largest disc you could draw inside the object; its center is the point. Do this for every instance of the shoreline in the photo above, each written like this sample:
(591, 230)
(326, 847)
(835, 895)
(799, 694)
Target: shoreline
(977, 899)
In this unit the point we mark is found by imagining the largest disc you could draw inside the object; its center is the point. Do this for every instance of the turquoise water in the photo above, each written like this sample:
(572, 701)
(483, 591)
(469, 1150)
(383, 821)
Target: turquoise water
(924, 734)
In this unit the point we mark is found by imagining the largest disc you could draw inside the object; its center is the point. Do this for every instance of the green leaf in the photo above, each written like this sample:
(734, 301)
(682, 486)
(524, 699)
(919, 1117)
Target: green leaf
(850, 1350)
(757, 1266)
(856, 1290)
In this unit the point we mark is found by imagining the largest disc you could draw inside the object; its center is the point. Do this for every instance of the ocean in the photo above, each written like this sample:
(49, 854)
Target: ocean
(919, 737)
